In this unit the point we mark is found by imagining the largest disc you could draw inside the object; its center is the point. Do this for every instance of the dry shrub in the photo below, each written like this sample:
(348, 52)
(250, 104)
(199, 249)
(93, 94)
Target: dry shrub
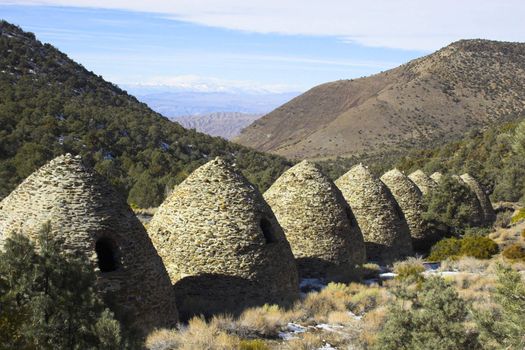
(264, 321)
(317, 306)
(253, 344)
(372, 323)
(409, 269)
(514, 252)
(367, 299)
(197, 335)
(465, 264)
(342, 318)
(307, 341)
(163, 339)
(494, 235)
(225, 322)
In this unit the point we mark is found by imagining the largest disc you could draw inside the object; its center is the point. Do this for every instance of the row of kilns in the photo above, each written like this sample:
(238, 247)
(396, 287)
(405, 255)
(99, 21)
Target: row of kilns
(221, 244)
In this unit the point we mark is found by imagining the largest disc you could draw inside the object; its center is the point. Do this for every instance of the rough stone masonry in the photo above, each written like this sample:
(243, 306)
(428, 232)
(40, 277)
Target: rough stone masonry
(422, 181)
(222, 245)
(385, 231)
(92, 219)
(410, 200)
(323, 233)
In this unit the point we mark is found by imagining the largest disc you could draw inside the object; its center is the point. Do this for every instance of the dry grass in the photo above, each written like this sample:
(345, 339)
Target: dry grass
(253, 344)
(367, 299)
(409, 269)
(336, 305)
(199, 334)
(372, 324)
(465, 264)
(340, 318)
(265, 321)
(307, 341)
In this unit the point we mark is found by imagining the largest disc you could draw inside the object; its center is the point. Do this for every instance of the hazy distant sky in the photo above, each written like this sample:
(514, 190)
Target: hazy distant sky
(253, 45)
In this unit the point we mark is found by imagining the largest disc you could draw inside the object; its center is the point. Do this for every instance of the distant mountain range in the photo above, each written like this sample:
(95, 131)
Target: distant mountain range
(467, 85)
(173, 103)
(223, 124)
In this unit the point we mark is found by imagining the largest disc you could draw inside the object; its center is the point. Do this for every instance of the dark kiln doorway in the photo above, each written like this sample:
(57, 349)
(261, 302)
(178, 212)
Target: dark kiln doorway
(105, 249)
(267, 230)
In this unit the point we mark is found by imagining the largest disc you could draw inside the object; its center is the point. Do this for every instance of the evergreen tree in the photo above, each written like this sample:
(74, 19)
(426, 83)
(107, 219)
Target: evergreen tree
(48, 299)
(448, 206)
(429, 317)
(504, 327)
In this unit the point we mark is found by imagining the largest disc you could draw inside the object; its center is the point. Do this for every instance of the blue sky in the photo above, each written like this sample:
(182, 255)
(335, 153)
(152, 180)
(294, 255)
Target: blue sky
(251, 45)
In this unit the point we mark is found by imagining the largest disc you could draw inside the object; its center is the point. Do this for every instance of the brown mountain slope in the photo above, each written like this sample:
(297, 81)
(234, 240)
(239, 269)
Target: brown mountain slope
(468, 84)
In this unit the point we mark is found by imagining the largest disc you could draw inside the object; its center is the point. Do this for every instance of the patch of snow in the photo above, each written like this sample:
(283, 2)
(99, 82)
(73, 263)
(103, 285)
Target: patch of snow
(329, 327)
(448, 273)
(296, 328)
(311, 284)
(292, 329)
(327, 346)
(354, 316)
(387, 275)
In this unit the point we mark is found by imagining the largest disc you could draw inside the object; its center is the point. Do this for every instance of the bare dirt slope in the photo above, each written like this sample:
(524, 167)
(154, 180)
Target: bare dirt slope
(468, 84)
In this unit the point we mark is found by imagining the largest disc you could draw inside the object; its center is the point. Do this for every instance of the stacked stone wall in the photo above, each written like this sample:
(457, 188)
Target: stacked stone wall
(385, 231)
(222, 245)
(410, 200)
(486, 206)
(83, 210)
(422, 181)
(323, 233)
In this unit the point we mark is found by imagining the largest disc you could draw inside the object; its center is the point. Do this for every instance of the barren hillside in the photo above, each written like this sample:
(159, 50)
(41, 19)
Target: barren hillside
(468, 84)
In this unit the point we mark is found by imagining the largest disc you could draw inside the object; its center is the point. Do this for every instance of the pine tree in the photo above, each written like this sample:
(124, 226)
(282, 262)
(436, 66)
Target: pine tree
(429, 317)
(48, 299)
(504, 327)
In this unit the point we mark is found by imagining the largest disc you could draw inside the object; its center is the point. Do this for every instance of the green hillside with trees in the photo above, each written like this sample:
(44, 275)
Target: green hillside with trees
(496, 157)
(50, 105)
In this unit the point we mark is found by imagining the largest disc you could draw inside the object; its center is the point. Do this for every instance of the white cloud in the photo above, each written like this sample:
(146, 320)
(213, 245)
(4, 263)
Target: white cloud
(405, 24)
(198, 83)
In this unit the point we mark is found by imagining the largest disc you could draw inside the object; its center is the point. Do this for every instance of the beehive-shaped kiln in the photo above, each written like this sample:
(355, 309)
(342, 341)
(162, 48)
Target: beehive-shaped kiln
(325, 238)
(385, 231)
(92, 219)
(222, 245)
